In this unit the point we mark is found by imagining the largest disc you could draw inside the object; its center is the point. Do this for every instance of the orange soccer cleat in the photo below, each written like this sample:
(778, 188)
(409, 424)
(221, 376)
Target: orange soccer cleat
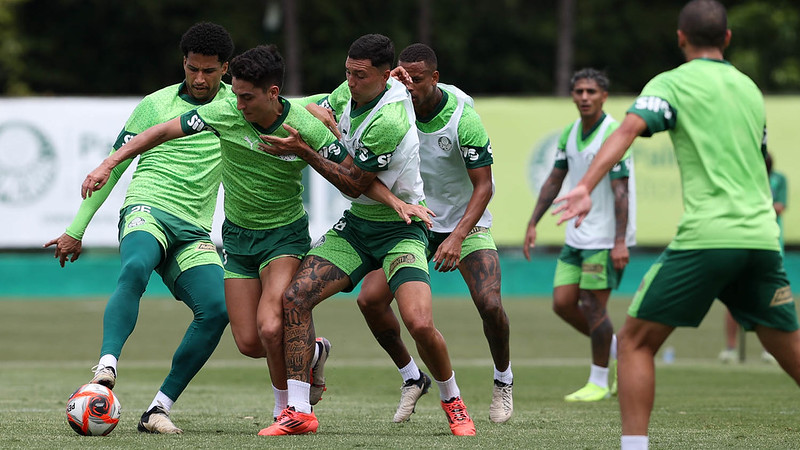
(460, 422)
(292, 422)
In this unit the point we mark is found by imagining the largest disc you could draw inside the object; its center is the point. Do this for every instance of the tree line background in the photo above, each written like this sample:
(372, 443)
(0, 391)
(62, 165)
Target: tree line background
(487, 47)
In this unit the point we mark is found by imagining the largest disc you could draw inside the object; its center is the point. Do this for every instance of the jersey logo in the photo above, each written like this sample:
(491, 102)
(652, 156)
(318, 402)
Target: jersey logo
(470, 153)
(654, 104)
(136, 222)
(406, 259)
(445, 143)
(333, 149)
(384, 160)
(249, 141)
(782, 296)
(206, 246)
(196, 123)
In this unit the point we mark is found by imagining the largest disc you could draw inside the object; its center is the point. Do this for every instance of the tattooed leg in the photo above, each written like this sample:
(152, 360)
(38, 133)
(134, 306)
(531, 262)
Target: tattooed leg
(481, 272)
(315, 280)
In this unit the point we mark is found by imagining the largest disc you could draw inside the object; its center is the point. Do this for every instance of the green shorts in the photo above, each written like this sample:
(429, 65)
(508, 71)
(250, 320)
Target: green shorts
(592, 270)
(246, 252)
(478, 238)
(359, 246)
(680, 287)
(183, 245)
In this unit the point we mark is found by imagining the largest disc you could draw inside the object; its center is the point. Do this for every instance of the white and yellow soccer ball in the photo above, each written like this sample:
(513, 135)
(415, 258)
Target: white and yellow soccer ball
(93, 410)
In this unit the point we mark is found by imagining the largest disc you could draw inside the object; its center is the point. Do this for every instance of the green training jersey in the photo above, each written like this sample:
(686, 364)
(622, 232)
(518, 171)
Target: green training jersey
(381, 137)
(262, 191)
(181, 176)
(716, 120)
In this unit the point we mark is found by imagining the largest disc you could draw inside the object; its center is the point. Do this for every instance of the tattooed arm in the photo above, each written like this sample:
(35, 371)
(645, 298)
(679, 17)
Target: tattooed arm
(619, 254)
(348, 178)
(547, 194)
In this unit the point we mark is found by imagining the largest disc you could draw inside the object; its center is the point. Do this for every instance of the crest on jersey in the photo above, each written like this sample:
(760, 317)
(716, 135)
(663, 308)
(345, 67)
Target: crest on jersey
(445, 143)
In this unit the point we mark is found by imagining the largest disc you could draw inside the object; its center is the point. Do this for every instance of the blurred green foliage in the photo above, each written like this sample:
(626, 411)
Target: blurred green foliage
(111, 47)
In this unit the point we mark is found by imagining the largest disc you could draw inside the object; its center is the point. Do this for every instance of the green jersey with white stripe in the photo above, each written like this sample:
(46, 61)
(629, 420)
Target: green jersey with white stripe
(262, 191)
(716, 120)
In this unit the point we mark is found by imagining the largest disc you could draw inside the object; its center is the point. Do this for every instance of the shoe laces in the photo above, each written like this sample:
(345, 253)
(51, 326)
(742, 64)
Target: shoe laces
(456, 410)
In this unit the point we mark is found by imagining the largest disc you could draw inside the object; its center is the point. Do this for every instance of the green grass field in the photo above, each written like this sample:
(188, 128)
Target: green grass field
(49, 345)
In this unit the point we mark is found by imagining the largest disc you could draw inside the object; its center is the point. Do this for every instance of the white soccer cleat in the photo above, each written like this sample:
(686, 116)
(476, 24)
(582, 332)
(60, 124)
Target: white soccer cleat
(318, 371)
(157, 421)
(410, 392)
(502, 402)
(728, 356)
(104, 375)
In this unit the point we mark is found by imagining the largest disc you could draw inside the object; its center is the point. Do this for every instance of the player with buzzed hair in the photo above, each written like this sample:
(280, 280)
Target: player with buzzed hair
(376, 122)
(455, 164)
(594, 256)
(727, 243)
(165, 223)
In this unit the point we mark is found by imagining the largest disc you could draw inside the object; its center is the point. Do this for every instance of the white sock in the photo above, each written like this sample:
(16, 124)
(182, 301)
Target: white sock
(613, 350)
(298, 396)
(410, 371)
(108, 361)
(448, 389)
(634, 442)
(599, 376)
(281, 400)
(163, 401)
(505, 376)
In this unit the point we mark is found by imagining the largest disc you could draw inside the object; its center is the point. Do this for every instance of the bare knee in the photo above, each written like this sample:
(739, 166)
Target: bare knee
(421, 330)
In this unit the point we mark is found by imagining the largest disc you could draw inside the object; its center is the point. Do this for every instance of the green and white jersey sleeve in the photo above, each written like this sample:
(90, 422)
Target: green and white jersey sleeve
(381, 137)
(452, 141)
(262, 191)
(180, 176)
(716, 119)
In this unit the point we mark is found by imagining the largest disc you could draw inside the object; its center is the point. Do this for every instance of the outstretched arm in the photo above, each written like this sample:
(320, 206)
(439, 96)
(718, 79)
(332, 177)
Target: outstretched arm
(547, 194)
(576, 203)
(147, 139)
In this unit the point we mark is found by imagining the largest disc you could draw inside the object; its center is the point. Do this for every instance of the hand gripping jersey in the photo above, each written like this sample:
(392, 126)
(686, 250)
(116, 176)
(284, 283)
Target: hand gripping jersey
(598, 228)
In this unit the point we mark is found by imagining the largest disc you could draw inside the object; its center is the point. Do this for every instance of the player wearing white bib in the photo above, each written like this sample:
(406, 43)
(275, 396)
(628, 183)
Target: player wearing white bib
(376, 122)
(456, 159)
(594, 255)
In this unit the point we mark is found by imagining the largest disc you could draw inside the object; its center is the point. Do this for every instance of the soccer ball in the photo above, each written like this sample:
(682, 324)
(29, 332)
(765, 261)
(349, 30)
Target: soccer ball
(93, 410)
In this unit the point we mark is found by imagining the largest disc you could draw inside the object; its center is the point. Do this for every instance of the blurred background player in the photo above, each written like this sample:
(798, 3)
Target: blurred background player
(165, 223)
(455, 164)
(727, 245)
(594, 255)
(376, 120)
(778, 187)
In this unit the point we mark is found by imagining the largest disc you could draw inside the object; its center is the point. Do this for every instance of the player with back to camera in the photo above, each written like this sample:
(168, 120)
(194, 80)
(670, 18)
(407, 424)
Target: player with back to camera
(265, 233)
(165, 223)
(727, 243)
(455, 164)
(376, 120)
(594, 256)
